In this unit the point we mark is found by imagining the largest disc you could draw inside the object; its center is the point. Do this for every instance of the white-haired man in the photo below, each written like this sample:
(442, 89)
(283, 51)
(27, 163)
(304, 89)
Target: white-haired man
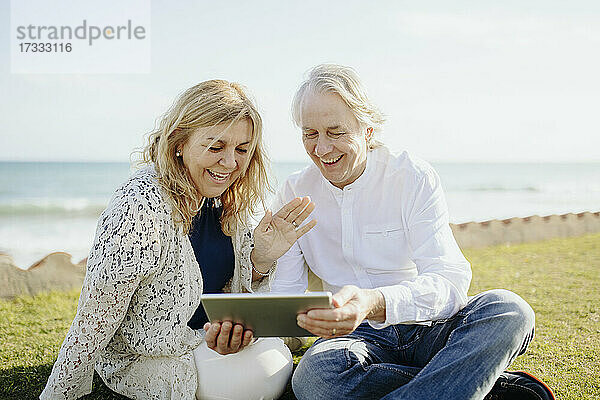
(403, 326)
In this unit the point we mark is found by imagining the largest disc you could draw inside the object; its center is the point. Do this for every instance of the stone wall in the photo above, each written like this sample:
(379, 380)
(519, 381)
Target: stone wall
(57, 272)
(521, 230)
(53, 272)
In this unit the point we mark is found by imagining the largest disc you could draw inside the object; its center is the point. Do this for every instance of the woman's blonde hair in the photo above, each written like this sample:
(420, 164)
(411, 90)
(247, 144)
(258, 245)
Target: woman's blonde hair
(334, 78)
(208, 104)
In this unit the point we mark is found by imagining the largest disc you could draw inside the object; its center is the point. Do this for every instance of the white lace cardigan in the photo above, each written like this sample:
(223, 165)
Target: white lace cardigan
(141, 287)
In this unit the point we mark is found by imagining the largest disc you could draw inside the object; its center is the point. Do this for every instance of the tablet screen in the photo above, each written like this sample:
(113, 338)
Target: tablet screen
(266, 314)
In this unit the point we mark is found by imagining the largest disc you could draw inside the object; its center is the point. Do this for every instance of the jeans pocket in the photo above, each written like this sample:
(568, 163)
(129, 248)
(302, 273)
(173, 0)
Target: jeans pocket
(408, 335)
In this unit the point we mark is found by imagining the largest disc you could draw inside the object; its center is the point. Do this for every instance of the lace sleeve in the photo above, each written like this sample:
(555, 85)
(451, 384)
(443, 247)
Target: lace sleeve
(126, 248)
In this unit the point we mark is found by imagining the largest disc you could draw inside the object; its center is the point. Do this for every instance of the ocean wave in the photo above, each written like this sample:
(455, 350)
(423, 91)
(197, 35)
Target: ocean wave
(503, 189)
(52, 207)
(553, 188)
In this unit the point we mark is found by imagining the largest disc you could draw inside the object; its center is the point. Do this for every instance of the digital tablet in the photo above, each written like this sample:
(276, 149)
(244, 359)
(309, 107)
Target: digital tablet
(266, 314)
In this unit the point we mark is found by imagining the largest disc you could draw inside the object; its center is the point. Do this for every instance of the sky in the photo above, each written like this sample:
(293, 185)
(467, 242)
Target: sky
(458, 81)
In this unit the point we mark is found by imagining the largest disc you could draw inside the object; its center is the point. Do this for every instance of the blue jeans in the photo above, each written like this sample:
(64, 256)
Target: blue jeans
(457, 358)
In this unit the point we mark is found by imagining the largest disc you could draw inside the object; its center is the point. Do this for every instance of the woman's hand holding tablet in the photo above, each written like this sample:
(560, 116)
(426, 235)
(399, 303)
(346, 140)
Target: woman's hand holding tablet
(227, 338)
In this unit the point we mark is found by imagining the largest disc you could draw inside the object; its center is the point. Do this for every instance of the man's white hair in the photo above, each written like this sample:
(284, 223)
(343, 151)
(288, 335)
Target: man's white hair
(334, 78)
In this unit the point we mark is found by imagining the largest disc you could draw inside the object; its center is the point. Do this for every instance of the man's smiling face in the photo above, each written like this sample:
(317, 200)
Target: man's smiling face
(333, 138)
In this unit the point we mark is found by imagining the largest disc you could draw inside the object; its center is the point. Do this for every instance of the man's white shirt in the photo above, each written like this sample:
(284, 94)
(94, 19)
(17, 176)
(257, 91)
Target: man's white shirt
(388, 230)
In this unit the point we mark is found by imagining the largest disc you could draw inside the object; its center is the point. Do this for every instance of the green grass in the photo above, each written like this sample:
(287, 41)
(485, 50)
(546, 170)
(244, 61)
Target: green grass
(560, 278)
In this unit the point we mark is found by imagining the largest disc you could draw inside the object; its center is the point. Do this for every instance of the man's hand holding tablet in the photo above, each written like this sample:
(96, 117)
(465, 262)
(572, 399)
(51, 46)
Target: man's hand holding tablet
(352, 306)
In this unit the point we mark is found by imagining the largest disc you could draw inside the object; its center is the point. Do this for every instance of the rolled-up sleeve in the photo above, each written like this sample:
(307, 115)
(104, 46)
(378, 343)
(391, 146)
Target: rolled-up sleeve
(440, 288)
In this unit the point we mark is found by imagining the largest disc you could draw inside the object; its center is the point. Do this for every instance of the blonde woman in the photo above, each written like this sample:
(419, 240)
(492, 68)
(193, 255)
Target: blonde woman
(178, 228)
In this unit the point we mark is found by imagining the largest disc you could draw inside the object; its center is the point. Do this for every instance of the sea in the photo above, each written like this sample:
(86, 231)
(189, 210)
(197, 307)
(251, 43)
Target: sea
(54, 206)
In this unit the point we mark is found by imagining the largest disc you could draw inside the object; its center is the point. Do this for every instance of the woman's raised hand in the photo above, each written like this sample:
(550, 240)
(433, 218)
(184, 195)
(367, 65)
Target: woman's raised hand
(275, 234)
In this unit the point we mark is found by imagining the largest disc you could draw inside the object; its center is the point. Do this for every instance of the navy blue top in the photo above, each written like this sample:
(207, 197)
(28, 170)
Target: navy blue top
(214, 253)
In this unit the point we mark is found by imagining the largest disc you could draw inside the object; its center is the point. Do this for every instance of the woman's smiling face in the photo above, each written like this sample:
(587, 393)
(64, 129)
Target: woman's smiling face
(215, 165)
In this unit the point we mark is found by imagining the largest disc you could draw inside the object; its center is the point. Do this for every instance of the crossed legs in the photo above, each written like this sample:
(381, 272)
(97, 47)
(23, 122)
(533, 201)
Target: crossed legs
(259, 371)
(460, 357)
